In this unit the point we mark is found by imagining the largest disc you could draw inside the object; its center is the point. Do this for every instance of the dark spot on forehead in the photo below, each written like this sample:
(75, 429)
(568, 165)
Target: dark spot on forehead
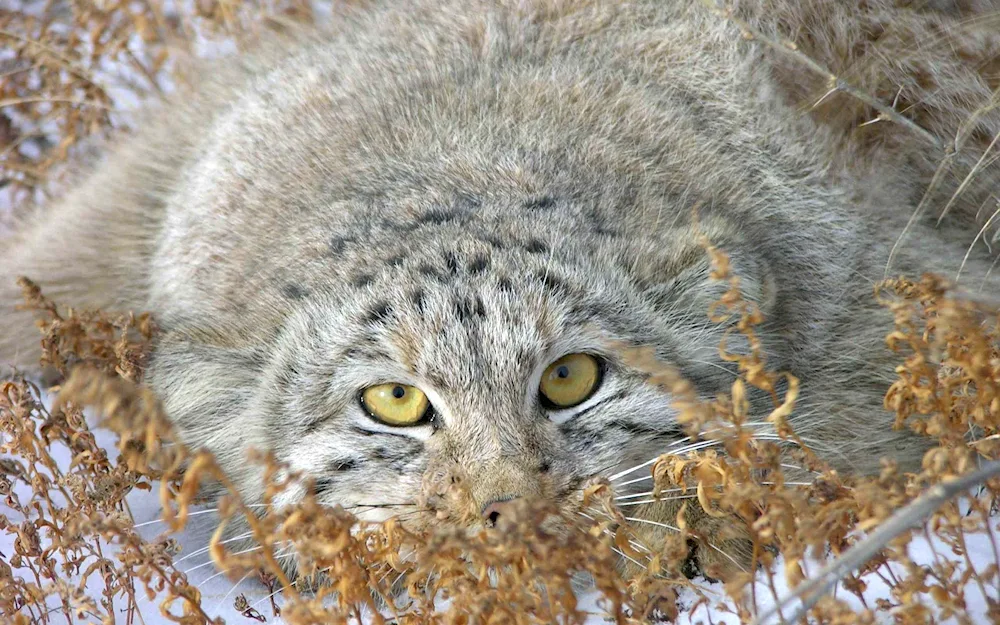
(536, 246)
(344, 465)
(467, 202)
(378, 313)
(438, 216)
(429, 271)
(395, 261)
(338, 243)
(417, 297)
(504, 284)
(294, 291)
(599, 224)
(551, 282)
(478, 264)
(493, 241)
(399, 227)
(583, 311)
(451, 262)
(542, 202)
(362, 280)
(468, 307)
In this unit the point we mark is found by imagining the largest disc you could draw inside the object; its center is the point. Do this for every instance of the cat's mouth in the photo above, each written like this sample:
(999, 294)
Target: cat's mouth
(450, 499)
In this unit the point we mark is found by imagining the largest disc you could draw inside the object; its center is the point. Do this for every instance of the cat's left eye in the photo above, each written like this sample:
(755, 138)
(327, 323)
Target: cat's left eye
(570, 381)
(396, 404)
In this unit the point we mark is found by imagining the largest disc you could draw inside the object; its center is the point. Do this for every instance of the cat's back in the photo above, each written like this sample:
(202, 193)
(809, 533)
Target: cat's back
(423, 120)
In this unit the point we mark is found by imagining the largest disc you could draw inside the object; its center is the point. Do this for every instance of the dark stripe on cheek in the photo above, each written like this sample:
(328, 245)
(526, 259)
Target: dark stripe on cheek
(397, 460)
(616, 397)
(324, 484)
(419, 445)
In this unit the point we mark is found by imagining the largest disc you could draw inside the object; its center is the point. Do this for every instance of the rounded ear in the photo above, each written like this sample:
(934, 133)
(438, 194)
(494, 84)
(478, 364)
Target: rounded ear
(678, 276)
(204, 378)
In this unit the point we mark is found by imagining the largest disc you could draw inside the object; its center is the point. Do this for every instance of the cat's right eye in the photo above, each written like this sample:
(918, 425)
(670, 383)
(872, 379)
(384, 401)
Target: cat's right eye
(570, 381)
(396, 404)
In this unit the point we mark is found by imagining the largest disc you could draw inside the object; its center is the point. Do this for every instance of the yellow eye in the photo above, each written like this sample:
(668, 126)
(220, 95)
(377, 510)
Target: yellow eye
(570, 380)
(395, 404)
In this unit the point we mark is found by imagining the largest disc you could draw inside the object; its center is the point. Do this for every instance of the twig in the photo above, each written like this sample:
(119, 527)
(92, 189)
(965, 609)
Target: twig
(834, 82)
(855, 557)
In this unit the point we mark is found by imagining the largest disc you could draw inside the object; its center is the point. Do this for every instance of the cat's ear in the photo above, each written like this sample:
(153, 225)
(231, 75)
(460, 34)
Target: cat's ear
(683, 274)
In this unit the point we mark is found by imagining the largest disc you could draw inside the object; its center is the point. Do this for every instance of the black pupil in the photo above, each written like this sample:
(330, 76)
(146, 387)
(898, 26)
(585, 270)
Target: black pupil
(398, 392)
(562, 371)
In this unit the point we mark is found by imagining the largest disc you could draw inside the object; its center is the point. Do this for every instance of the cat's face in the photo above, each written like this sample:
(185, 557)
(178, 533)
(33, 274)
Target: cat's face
(483, 358)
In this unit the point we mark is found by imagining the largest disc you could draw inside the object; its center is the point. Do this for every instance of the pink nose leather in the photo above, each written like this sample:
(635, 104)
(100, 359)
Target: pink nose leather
(497, 510)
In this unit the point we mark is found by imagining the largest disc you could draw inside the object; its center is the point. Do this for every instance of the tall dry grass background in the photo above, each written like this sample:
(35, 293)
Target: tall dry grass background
(71, 72)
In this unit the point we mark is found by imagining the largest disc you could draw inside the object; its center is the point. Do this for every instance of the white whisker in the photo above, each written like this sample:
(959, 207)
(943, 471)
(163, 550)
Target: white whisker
(231, 590)
(254, 606)
(696, 446)
(208, 548)
(198, 513)
(390, 569)
(798, 468)
(211, 577)
(649, 493)
(615, 549)
(622, 474)
(204, 564)
(643, 501)
(210, 562)
(676, 529)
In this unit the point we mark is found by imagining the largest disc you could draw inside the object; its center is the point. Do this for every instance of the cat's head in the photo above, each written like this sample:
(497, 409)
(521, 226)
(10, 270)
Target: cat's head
(479, 348)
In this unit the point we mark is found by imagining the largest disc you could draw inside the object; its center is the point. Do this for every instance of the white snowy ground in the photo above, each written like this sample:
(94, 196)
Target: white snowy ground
(219, 593)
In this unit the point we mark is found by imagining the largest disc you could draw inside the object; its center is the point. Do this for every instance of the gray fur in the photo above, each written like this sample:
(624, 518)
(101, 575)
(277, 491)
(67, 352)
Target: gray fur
(454, 194)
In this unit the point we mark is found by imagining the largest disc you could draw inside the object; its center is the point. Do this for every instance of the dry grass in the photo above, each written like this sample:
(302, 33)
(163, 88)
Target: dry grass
(947, 389)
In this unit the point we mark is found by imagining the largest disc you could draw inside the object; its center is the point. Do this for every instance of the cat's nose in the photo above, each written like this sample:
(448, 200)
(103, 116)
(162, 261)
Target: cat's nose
(500, 509)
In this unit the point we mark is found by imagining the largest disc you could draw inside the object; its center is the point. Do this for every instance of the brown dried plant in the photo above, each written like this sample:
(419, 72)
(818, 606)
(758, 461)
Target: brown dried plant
(71, 71)
(73, 530)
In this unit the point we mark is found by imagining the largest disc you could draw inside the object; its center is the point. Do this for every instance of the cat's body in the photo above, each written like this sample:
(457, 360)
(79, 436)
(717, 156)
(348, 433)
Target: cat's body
(453, 195)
